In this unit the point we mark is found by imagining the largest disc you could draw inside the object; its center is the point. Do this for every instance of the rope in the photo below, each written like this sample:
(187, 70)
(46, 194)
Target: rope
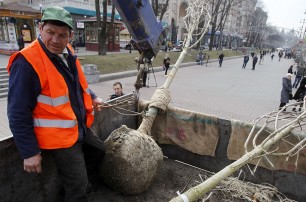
(133, 113)
(160, 99)
(124, 102)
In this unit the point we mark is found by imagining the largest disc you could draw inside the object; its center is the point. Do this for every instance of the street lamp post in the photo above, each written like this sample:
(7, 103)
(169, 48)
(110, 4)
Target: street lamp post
(40, 8)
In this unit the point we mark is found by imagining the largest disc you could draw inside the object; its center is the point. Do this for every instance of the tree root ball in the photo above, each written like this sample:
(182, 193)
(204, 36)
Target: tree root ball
(131, 161)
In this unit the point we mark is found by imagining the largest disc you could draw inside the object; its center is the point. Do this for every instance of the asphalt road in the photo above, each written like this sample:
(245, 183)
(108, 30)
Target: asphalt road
(228, 92)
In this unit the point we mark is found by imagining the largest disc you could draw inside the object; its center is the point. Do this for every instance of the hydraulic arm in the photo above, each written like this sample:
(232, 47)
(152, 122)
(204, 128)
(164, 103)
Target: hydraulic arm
(147, 33)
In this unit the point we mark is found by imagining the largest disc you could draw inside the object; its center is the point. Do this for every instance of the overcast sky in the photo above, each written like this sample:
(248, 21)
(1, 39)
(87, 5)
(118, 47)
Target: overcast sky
(285, 13)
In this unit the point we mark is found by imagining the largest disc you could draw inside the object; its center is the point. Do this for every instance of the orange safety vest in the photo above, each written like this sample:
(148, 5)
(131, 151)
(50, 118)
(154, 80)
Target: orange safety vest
(55, 124)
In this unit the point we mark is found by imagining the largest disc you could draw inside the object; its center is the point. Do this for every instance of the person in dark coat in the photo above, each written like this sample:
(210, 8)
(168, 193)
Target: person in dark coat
(166, 63)
(245, 60)
(300, 93)
(298, 76)
(255, 59)
(252, 54)
(290, 70)
(20, 42)
(201, 58)
(221, 56)
(280, 55)
(117, 86)
(286, 93)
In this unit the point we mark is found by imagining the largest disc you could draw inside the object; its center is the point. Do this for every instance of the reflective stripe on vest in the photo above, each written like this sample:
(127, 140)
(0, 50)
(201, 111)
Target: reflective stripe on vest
(53, 101)
(54, 123)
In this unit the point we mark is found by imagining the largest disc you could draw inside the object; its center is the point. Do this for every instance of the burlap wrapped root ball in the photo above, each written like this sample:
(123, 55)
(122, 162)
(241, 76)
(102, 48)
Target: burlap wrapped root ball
(131, 161)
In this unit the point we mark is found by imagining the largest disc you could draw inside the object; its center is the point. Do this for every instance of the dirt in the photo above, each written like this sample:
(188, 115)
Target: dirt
(173, 176)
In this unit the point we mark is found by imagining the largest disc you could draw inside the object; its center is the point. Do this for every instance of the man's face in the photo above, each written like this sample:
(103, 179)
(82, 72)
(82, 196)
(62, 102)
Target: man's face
(54, 37)
(117, 89)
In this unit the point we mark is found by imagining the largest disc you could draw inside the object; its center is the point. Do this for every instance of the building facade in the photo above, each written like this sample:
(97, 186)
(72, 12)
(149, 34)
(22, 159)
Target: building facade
(235, 29)
(80, 10)
(17, 19)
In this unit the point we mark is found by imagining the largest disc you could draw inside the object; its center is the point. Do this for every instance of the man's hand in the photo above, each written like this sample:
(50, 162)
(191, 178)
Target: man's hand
(32, 164)
(97, 104)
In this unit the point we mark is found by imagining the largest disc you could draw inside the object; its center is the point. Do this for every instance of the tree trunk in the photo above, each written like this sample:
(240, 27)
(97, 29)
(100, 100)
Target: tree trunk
(112, 30)
(200, 190)
(163, 10)
(98, 15)
(103, 33)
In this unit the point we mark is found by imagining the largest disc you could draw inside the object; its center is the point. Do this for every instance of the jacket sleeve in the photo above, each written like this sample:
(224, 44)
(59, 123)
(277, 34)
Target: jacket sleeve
(24, 87)
(92, 94)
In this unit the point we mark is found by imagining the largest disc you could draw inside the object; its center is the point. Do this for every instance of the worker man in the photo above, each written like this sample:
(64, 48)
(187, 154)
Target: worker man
(50, 107)
(117, 86)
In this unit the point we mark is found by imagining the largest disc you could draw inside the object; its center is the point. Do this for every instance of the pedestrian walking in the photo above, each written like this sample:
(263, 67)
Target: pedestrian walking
(166, 63)
(286, 93)
(252, 54)
(280, 55)
(261, 58)
(272, 56)
(245, 61)
(290, 70)
(221, 56)
(20, 42)
(255, 59)
(200, 58)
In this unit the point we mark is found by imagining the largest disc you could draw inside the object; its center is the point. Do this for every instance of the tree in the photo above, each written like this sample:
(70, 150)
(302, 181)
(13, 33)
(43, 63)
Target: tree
(283, 128)
(123, 139)
(111, 31)
(160, 8)
(102, 36)
(257, 28)
(197, 14)
(220, 10)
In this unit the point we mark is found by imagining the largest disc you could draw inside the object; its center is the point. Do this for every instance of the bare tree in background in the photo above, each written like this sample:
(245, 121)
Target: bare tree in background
(197, 14)
(220, 10)
(102, 35)
(160, 8)
(111, 34)
(285, 128)
(257, 26)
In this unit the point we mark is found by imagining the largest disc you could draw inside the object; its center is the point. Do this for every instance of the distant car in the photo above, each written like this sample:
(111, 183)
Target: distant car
(125, 45)
(129, 46)
(177, 48)
(203, 46)
(288, 53)
(162, 47)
